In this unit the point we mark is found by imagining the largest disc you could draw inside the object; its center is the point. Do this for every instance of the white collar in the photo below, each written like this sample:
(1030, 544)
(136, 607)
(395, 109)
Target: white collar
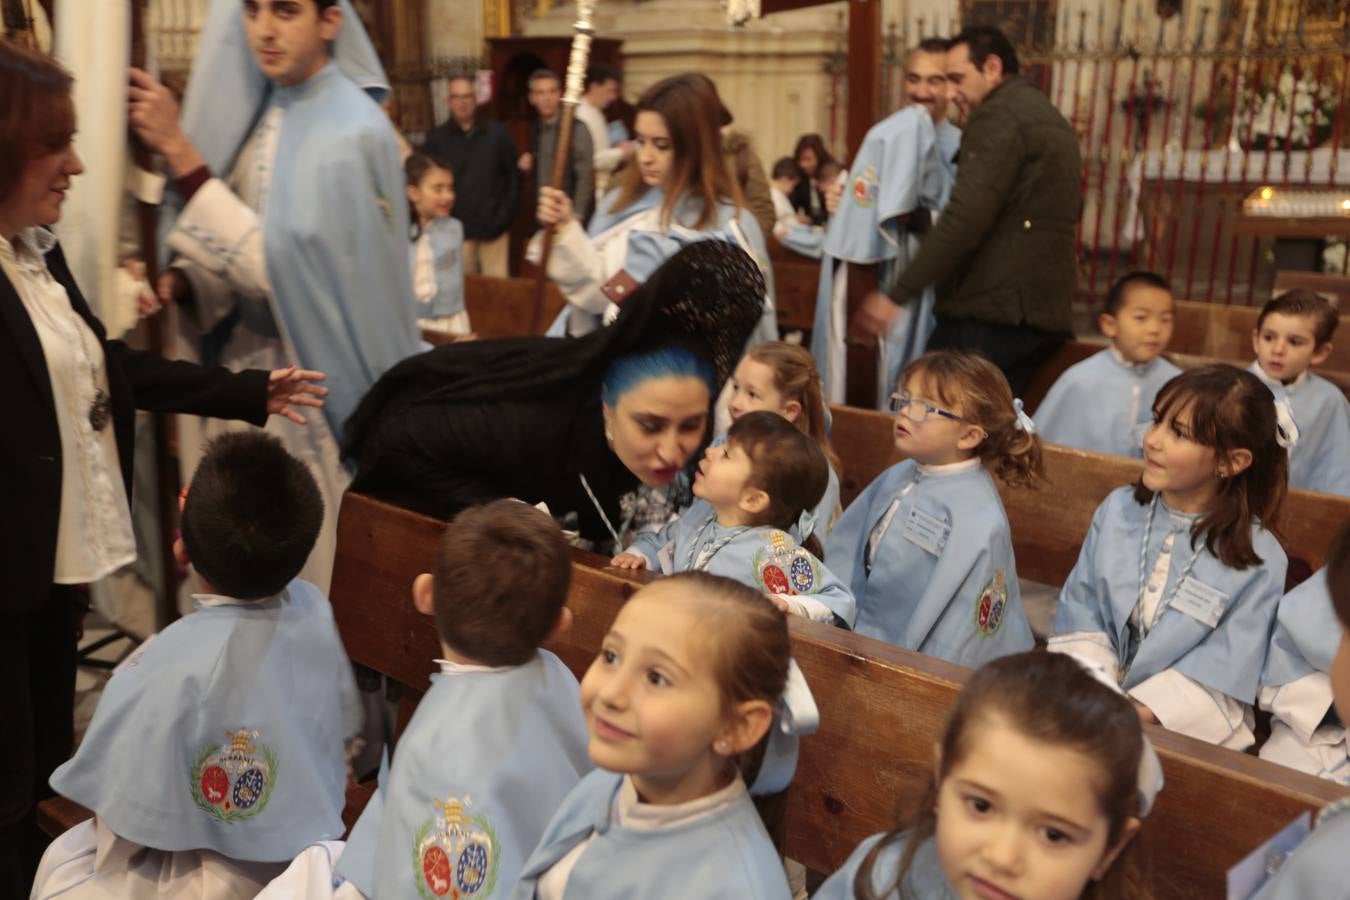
(207, 600)
(956, 468)
(1275, 383)
(455, 668)
(633, 813)
(1132, 366)
(34, 240)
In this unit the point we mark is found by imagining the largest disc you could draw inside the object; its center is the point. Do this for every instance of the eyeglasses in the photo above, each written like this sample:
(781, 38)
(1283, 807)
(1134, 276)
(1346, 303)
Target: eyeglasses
(904, 403)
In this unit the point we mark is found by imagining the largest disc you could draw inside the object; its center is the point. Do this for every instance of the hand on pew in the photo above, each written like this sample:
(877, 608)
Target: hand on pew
(629, 561)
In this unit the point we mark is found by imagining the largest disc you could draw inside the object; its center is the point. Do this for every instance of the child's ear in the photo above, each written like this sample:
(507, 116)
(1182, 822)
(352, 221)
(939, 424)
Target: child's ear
(411, 191)
(1256, 341)
(1107, 323)
(1320, 354)
(748, 724)
(792, 411)
(753, 501)
(971, 438)
(1127, 833)
(424, 594)
(1237, 462)
(561, 626)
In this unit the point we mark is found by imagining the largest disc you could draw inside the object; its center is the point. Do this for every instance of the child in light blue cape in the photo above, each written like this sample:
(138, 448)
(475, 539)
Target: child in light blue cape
(1320, 866)
(926, 548)
(694, 674)
(436, 253)
(1105, 402)
(498, 740)
(764, 480)
(1175, 590)
(1305, 732)
(1034, 746)
(218, 751)
(1293, 334)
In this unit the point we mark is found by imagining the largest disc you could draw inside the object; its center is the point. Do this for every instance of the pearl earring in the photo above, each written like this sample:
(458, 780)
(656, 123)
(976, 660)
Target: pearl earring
(722, 745)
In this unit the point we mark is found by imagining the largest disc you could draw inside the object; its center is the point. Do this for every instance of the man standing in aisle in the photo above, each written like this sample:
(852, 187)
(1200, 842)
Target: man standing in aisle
(487, 181)
(602, 89)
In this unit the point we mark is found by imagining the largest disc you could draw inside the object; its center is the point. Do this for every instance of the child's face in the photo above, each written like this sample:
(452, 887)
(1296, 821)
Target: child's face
(1340, 676)
(1142, 326)
(651, 704)
(786, 184)
(723, 476)
(807, 162)
(752, 390)
(1183, 471)
(434, 196)
(1286, 346)
(1018, 817)
(938, 439)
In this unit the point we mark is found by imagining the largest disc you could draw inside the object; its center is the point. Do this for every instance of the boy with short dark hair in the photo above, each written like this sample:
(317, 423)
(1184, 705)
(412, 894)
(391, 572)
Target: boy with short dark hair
(218, 750)
(1293, 334)
(499, 739)
(783, 181)
(1105, 402)
(1320, 867)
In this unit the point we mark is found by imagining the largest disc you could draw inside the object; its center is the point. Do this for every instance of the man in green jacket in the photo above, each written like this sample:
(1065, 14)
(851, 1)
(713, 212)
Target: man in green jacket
(1002, 254)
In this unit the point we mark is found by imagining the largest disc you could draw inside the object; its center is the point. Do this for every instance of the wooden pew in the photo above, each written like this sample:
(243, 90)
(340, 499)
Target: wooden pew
(505, 307)
(1225, 332)
(796, 279)
(883, 711)
(1048, 525)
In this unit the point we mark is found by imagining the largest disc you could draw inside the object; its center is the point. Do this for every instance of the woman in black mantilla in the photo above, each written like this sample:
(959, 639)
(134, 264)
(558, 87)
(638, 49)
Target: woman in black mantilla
(574, 423)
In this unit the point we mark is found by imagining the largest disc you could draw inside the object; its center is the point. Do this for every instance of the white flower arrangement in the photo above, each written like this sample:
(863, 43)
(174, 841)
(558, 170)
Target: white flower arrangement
(1297, 114)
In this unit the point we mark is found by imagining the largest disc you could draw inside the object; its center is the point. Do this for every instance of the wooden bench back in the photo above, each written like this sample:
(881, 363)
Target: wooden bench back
(1225, 332)
(883, 709)
(506, 307)
(796, 279)
(1048, 525)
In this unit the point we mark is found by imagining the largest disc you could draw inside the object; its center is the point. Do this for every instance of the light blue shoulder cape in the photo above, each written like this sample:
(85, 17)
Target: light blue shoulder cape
(227, 733)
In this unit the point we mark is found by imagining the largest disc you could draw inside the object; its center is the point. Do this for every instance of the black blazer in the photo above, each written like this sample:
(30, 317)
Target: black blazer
(30, 441)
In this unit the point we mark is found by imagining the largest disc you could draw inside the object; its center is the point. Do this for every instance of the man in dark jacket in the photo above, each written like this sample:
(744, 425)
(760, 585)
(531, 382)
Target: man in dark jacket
(1002, 254)
(579, 178)
(487, 182)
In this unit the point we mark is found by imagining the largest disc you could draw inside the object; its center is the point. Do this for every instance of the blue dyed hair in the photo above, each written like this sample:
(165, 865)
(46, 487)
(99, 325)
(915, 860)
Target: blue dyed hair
(627, 372)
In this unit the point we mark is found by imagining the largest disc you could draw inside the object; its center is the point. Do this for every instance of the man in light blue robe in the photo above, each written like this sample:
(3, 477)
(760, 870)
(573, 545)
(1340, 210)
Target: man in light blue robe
(1296, 686)
(1190, 648)
(487, 758)
(928, 553)
(291, 238)
(903, 172)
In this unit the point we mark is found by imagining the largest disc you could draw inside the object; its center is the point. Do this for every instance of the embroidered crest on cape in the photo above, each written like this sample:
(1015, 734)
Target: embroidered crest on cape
(783, 568)
(233, 780)
(990, 605)
(865, 187)
(455, 854)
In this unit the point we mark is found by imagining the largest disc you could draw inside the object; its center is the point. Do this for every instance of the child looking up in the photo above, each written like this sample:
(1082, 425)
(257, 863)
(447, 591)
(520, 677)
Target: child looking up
(763, 481)
(437, 252)
(1043, 775)
(1292, 335)
(202, 773)
(1104, 403)
(926, 548)
(680, 704)
(1175, 589)
(498, 741)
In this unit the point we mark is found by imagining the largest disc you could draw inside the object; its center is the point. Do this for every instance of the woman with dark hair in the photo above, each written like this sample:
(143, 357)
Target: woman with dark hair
(680, 190)
(576, 424)
(66, 452)
(811, 156)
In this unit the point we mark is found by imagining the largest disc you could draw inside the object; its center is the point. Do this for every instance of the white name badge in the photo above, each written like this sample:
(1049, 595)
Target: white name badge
(1200, 601)
(926, 531)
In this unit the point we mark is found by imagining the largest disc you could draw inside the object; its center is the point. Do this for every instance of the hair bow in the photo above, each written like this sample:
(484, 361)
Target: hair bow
(806, 525)
(796, 715)
(1286, 429)
(1024, 421)
(1149, 778)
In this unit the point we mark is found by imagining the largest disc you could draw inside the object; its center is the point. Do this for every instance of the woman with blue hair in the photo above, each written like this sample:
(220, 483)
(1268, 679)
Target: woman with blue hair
(575, 424)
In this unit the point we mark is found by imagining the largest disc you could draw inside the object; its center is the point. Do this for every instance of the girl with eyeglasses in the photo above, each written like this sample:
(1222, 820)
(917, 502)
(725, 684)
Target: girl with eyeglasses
(926, 549)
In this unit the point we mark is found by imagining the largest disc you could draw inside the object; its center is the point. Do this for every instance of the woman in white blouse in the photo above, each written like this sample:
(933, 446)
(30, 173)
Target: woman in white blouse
(66, 443)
